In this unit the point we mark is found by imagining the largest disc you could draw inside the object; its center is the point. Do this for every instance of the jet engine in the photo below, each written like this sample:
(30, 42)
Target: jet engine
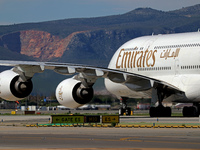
(12, 87)
(72, 93)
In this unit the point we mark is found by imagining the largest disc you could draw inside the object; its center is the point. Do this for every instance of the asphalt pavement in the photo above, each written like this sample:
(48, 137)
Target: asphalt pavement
(98, 138)
(15, 135)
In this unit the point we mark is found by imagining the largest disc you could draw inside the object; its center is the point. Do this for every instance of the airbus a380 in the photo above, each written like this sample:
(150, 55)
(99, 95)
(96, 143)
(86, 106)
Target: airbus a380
(163, 67)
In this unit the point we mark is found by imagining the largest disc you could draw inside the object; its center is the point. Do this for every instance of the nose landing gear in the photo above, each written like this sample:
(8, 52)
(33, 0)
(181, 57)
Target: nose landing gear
(124, 108)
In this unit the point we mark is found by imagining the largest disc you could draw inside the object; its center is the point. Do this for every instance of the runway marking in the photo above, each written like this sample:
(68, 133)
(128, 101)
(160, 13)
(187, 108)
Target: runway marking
(128, 139)
(145, 140)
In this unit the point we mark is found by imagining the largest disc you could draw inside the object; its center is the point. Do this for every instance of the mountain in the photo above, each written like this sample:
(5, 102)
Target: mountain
(96, 39)
(90, 41)
(192, 11)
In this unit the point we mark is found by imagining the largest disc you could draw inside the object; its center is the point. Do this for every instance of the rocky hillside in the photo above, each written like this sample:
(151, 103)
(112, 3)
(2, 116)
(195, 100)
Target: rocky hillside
(37, 44)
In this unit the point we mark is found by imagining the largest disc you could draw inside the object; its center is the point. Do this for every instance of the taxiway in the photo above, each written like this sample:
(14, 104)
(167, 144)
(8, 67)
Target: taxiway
(97, 138)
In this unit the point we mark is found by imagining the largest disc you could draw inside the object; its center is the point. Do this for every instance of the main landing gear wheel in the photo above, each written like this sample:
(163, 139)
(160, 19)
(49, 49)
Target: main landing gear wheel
(160, 111)
(192, 111)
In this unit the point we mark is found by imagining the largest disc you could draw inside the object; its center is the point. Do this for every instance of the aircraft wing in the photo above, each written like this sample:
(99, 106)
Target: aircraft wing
(131, 80)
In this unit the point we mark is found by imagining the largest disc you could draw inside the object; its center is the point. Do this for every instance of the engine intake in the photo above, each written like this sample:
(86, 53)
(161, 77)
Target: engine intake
(21, 89)
(12, 87)
(71, 93)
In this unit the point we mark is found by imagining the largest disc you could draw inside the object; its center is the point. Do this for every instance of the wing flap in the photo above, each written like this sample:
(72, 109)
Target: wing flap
(137, 83)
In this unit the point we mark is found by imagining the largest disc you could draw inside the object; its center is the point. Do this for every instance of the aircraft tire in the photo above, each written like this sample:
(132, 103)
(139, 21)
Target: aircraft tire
(168, 112)
(190, 112)
(121, 111)
(152, 111)
(185, 112)
(128, 111)
(160, 112)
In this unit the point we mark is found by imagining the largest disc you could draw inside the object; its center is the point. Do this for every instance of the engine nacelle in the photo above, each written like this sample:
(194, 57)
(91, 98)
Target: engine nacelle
(71, 93)
(12, 87)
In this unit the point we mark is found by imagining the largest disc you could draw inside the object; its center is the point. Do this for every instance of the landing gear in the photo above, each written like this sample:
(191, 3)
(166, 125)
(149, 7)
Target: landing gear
(124, 108)
(192, 111)
(160, 110)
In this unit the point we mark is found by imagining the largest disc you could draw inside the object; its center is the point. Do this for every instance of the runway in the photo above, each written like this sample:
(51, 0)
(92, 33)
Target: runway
(14, 134)
(98, 138)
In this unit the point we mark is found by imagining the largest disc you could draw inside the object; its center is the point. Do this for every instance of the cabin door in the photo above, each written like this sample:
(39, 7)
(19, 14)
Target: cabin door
(177, 67)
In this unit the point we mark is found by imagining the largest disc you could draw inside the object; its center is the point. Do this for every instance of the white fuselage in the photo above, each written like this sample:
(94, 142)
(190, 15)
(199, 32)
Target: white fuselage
(172, 58)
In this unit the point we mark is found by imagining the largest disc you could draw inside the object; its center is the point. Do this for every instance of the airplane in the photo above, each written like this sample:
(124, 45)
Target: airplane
(164, 67)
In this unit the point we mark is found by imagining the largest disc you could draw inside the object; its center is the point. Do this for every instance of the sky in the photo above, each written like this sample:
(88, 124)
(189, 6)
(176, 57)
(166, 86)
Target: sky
(26, 11)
